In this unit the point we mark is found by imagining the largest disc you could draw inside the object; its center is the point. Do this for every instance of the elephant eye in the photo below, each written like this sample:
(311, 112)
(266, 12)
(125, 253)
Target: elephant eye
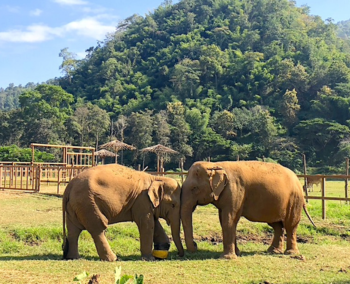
(173, 205)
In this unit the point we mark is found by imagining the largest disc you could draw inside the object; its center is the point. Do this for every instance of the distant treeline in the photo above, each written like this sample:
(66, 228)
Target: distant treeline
(224, 79)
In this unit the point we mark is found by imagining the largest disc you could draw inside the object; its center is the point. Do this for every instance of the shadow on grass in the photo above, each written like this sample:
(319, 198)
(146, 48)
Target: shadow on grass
(59, 257)
(51, 195)
(207, 254)
(199, 255)
(31, 257)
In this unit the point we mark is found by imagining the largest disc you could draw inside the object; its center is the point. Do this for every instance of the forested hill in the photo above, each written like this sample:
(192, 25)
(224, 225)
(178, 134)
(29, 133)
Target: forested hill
(209, 78)
(344, 29)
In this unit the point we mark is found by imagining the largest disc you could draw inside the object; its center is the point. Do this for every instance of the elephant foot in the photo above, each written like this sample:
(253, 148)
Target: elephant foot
(110, 258)
(148, 258)
(292, 251)
(274, 250)
(72, 257)
(192, 248)
(228, 256)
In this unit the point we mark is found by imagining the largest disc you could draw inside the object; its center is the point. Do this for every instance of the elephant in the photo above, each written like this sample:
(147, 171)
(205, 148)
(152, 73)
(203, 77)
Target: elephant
(108, 194)
(258, 191)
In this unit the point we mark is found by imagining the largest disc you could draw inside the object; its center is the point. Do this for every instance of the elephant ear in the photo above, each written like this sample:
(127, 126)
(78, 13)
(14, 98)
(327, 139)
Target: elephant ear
(217, 180)
(155, 192)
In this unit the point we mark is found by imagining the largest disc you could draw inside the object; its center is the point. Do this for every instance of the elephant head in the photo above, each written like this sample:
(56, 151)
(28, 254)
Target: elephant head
(203, 185)
(165, 194)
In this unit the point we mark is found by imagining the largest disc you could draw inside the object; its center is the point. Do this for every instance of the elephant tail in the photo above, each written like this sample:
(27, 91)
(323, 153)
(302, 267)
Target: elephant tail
(65, 245)
(308, 215)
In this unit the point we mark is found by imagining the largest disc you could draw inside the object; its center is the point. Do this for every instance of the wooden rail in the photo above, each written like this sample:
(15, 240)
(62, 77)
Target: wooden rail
(19, 177)
(30, 176)
(323, 197)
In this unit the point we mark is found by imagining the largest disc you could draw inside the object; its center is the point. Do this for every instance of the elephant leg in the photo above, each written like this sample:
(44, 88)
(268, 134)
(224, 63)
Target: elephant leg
(292, 247)
(71, 245)
(277, 242)
(146, 226)
(160, 237)
(237, 251)
(229, 223)
(102, 246)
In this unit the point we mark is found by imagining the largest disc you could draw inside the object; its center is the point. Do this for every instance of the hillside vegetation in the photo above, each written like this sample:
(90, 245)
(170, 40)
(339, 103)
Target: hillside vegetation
(209, 78)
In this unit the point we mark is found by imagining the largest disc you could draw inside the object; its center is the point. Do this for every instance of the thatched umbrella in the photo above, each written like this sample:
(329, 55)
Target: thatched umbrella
(160, 151)
(117, 146)
(104, 153)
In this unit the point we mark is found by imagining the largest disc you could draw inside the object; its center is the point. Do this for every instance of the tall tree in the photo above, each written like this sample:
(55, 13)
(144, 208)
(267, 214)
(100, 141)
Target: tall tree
(180, 130)
(289, 107)
(69, 63)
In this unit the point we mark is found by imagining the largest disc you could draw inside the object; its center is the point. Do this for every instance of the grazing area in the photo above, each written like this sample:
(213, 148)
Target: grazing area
(31, 239)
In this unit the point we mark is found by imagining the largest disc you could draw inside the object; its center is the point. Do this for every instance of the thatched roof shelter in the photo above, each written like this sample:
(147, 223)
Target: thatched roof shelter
(160, 150)
(117, 146)
(104, 154)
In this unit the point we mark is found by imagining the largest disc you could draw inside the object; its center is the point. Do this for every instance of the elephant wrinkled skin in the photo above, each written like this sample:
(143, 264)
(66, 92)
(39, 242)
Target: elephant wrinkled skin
(109, 194)
(258, 191)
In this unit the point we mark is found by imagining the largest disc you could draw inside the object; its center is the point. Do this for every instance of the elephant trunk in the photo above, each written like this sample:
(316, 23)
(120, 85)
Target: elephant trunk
(186, 217)
(175, 232)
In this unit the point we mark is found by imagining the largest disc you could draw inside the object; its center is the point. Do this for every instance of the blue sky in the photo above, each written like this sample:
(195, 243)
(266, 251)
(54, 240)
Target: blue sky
(32, 32)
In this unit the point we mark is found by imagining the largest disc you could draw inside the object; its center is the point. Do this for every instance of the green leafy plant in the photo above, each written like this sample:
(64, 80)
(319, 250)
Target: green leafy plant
(119, 278)
(81, 277)
(127, 279)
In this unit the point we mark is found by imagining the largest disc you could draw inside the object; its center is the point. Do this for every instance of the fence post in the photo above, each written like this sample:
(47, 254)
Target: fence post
(38, 179)
(15, 175)
(11, 174)
(58, 180)
(305, 179)
(346, 180)
(323, 189)
(1, 187)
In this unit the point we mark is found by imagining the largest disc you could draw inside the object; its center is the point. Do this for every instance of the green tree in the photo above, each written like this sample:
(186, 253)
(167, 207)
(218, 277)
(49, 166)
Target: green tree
(224, 123)
(186, 77)
(161, 128)
(140, 127)
(321, 138)
(90, 122)
(289, 107)
(44, 112)
(69, 63)
(180, 130)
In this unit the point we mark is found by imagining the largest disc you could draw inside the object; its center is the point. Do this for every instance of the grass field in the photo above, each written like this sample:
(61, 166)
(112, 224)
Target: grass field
(31, 237)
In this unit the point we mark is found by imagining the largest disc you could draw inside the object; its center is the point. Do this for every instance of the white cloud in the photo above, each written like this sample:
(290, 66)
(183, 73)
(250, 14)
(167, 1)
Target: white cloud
(87, 27)
(36, 12)
(71, 2)
(12, 9)
(94, 10)
(33, 33)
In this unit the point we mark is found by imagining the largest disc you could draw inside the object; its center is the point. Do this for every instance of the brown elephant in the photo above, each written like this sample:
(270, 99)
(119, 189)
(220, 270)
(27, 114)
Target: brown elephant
(258, 191)
(109, 194)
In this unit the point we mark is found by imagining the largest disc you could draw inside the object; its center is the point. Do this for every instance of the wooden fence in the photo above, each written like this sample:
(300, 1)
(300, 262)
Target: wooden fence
(321, 179)
(30, 177)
